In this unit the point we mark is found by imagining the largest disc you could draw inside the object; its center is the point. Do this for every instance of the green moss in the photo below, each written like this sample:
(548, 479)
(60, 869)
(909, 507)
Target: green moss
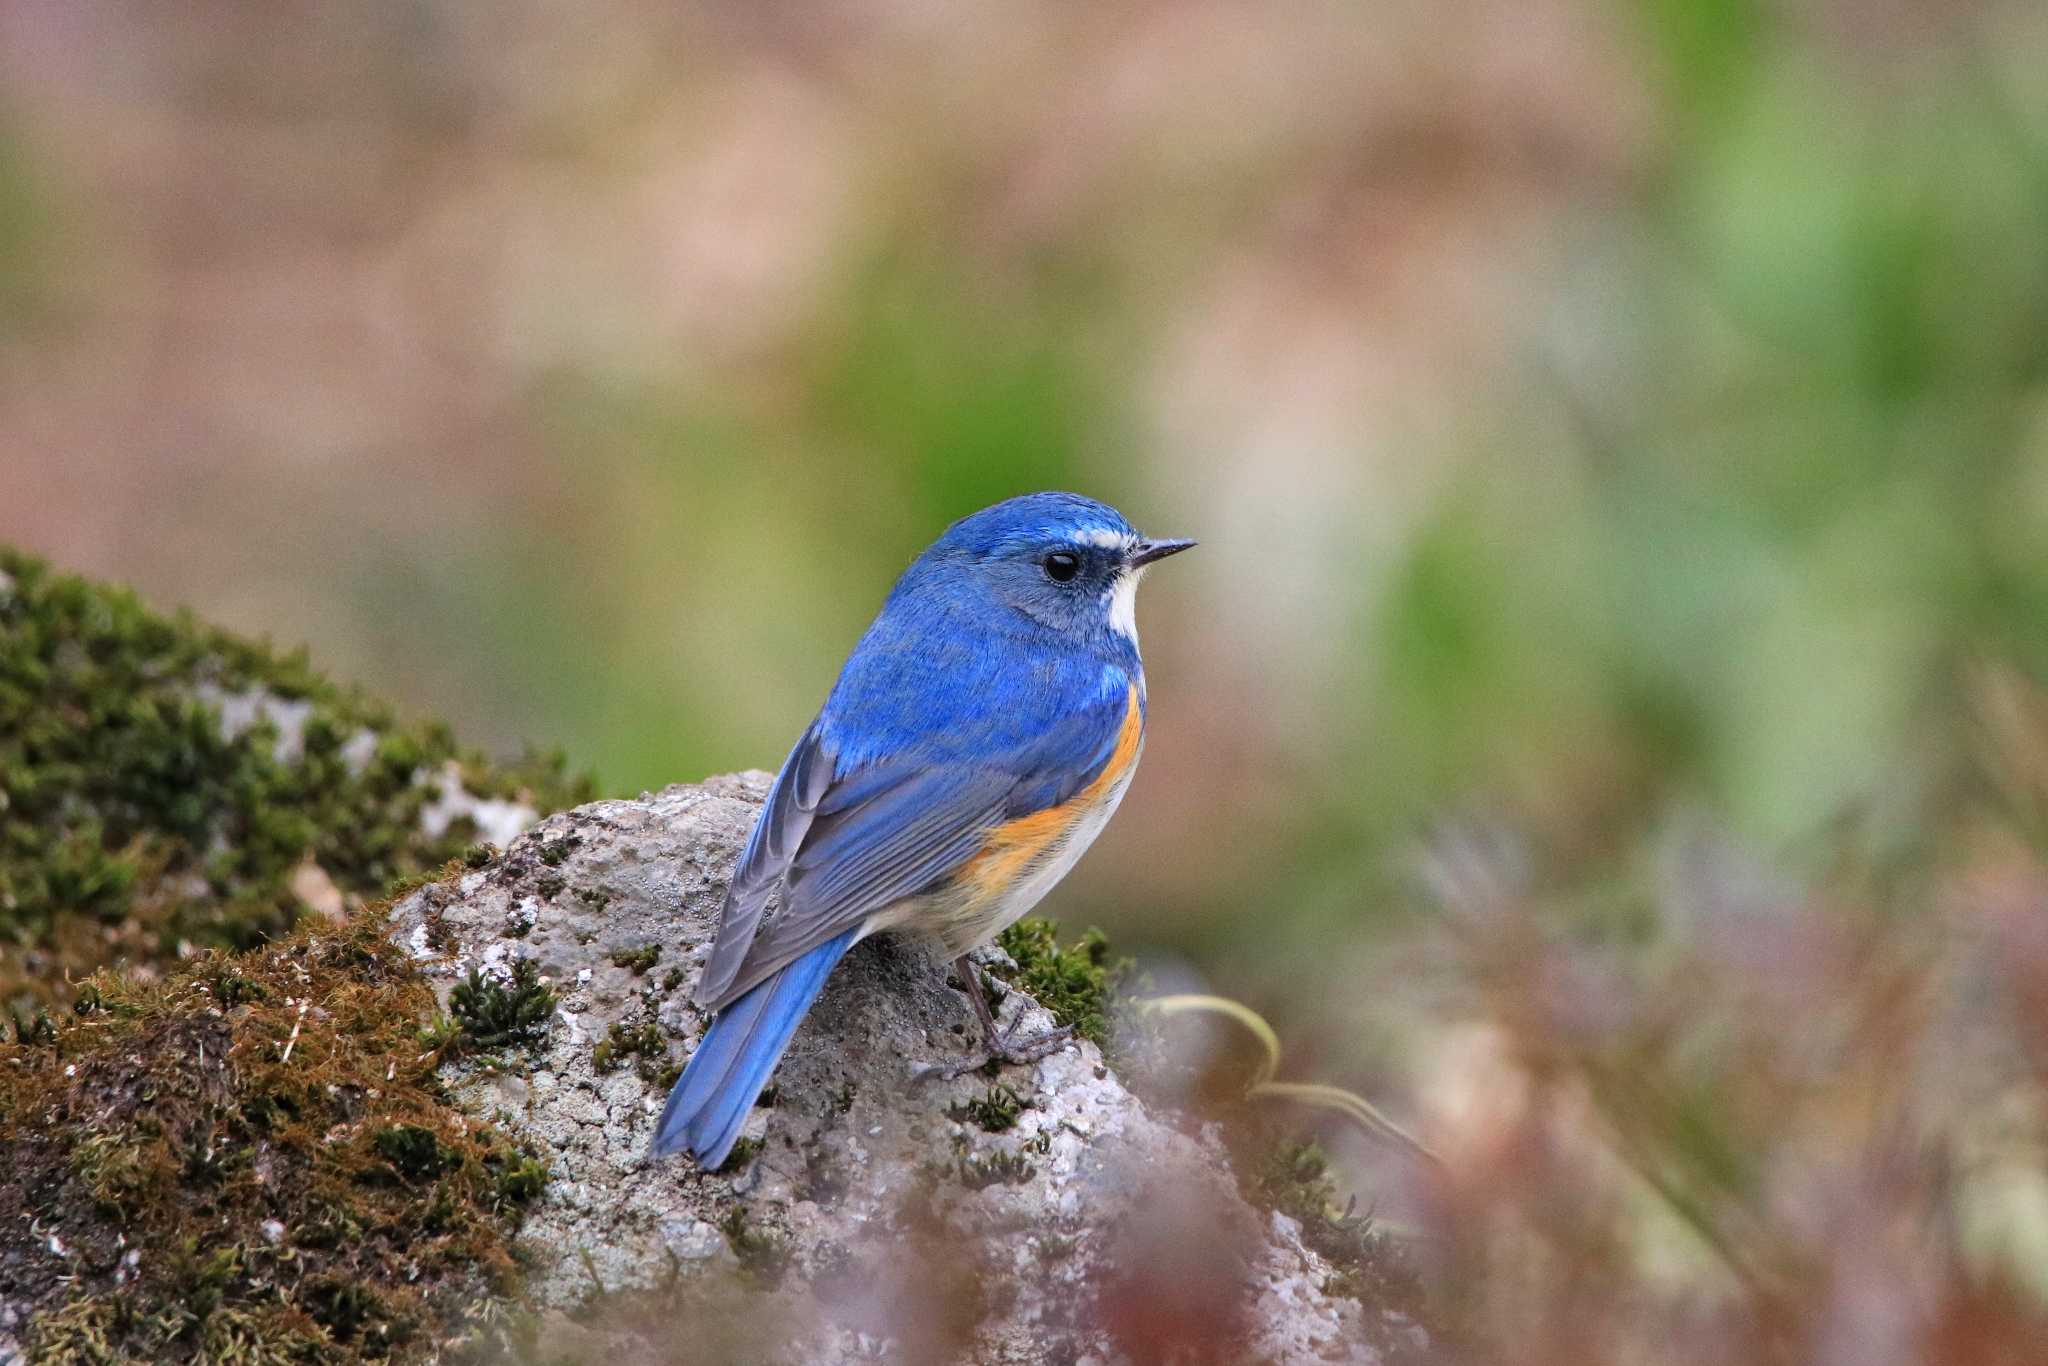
(997, 1169)
(134, 821)
(119, 1169)
(1291, 1175)
(229, 988)
(32, 1028)
(281, 1179)
(993, 1112)
(643, 1041)
(520, 1180)
(407, 883)
(763, 1256)
(413, 1151)
(639, 960)
(441, 1035)
(491, 1014)
(1076, 983)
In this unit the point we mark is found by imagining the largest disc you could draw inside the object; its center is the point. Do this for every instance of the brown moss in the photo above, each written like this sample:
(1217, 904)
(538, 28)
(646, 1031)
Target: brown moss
(251, 1159)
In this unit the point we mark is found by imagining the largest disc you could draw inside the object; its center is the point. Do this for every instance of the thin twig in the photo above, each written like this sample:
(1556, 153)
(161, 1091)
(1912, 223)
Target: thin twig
(293, 1041)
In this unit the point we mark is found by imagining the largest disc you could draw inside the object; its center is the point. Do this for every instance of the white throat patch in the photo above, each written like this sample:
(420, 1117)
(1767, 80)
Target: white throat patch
(1123, 604)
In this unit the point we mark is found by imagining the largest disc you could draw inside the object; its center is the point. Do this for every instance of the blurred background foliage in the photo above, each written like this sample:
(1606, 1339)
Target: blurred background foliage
(1622, 426)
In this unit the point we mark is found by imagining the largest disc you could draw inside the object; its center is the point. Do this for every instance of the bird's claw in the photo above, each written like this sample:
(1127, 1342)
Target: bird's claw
(1043, 1045)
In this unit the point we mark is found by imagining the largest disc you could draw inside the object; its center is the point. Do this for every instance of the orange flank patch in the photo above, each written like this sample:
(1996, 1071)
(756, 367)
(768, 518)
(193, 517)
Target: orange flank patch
(1014, 847)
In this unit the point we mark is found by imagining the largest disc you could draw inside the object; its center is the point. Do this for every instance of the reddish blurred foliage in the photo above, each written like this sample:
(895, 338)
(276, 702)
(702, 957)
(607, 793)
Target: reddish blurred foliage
(1720, 1115)
(1180, 1284)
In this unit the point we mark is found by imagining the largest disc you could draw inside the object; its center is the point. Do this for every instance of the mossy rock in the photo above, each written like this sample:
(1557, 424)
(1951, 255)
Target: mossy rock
(166, 786)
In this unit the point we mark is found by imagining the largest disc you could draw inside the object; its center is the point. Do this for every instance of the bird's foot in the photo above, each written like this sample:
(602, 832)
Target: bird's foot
(1004, 1049)
(1043, 1044)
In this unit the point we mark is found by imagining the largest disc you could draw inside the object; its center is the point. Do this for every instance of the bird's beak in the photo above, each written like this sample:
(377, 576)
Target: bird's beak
(1144, 552)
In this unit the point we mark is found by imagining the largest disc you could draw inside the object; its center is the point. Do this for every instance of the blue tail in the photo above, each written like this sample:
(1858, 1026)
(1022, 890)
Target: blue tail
(710, 1101)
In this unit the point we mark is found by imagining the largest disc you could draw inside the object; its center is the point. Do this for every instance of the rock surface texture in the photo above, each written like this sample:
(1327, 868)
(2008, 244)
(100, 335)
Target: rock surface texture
(874, 1217)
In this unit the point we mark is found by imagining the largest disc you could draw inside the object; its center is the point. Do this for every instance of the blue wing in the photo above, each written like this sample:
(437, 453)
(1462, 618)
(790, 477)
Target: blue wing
(896, 785)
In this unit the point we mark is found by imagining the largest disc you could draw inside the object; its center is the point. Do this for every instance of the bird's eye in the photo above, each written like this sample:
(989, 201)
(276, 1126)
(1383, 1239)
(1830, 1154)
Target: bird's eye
(1061, 567)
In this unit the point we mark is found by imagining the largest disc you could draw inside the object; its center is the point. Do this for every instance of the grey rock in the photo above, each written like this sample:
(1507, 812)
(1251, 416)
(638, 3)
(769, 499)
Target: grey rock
(871, 1224)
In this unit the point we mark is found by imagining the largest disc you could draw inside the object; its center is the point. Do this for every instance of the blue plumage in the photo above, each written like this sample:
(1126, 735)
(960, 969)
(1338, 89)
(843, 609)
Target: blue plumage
(995, 685)
(709, 1104)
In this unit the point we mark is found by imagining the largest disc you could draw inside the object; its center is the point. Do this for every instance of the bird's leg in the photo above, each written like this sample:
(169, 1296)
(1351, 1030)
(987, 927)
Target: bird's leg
(997, 1046)
(1007, 1047)
(970, 982)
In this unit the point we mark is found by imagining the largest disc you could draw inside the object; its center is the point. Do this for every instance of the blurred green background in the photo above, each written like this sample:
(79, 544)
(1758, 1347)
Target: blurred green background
(1589, 412)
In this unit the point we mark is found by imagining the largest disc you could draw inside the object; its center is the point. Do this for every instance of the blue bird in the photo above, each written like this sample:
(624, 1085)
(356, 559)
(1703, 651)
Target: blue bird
(978, 739)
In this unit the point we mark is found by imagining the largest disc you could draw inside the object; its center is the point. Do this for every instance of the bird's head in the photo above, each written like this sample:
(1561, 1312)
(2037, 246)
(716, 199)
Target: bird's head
(1068, 563)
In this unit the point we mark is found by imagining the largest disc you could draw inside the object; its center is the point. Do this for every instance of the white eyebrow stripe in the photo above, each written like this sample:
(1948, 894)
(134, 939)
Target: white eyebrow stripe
(1106, 537)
